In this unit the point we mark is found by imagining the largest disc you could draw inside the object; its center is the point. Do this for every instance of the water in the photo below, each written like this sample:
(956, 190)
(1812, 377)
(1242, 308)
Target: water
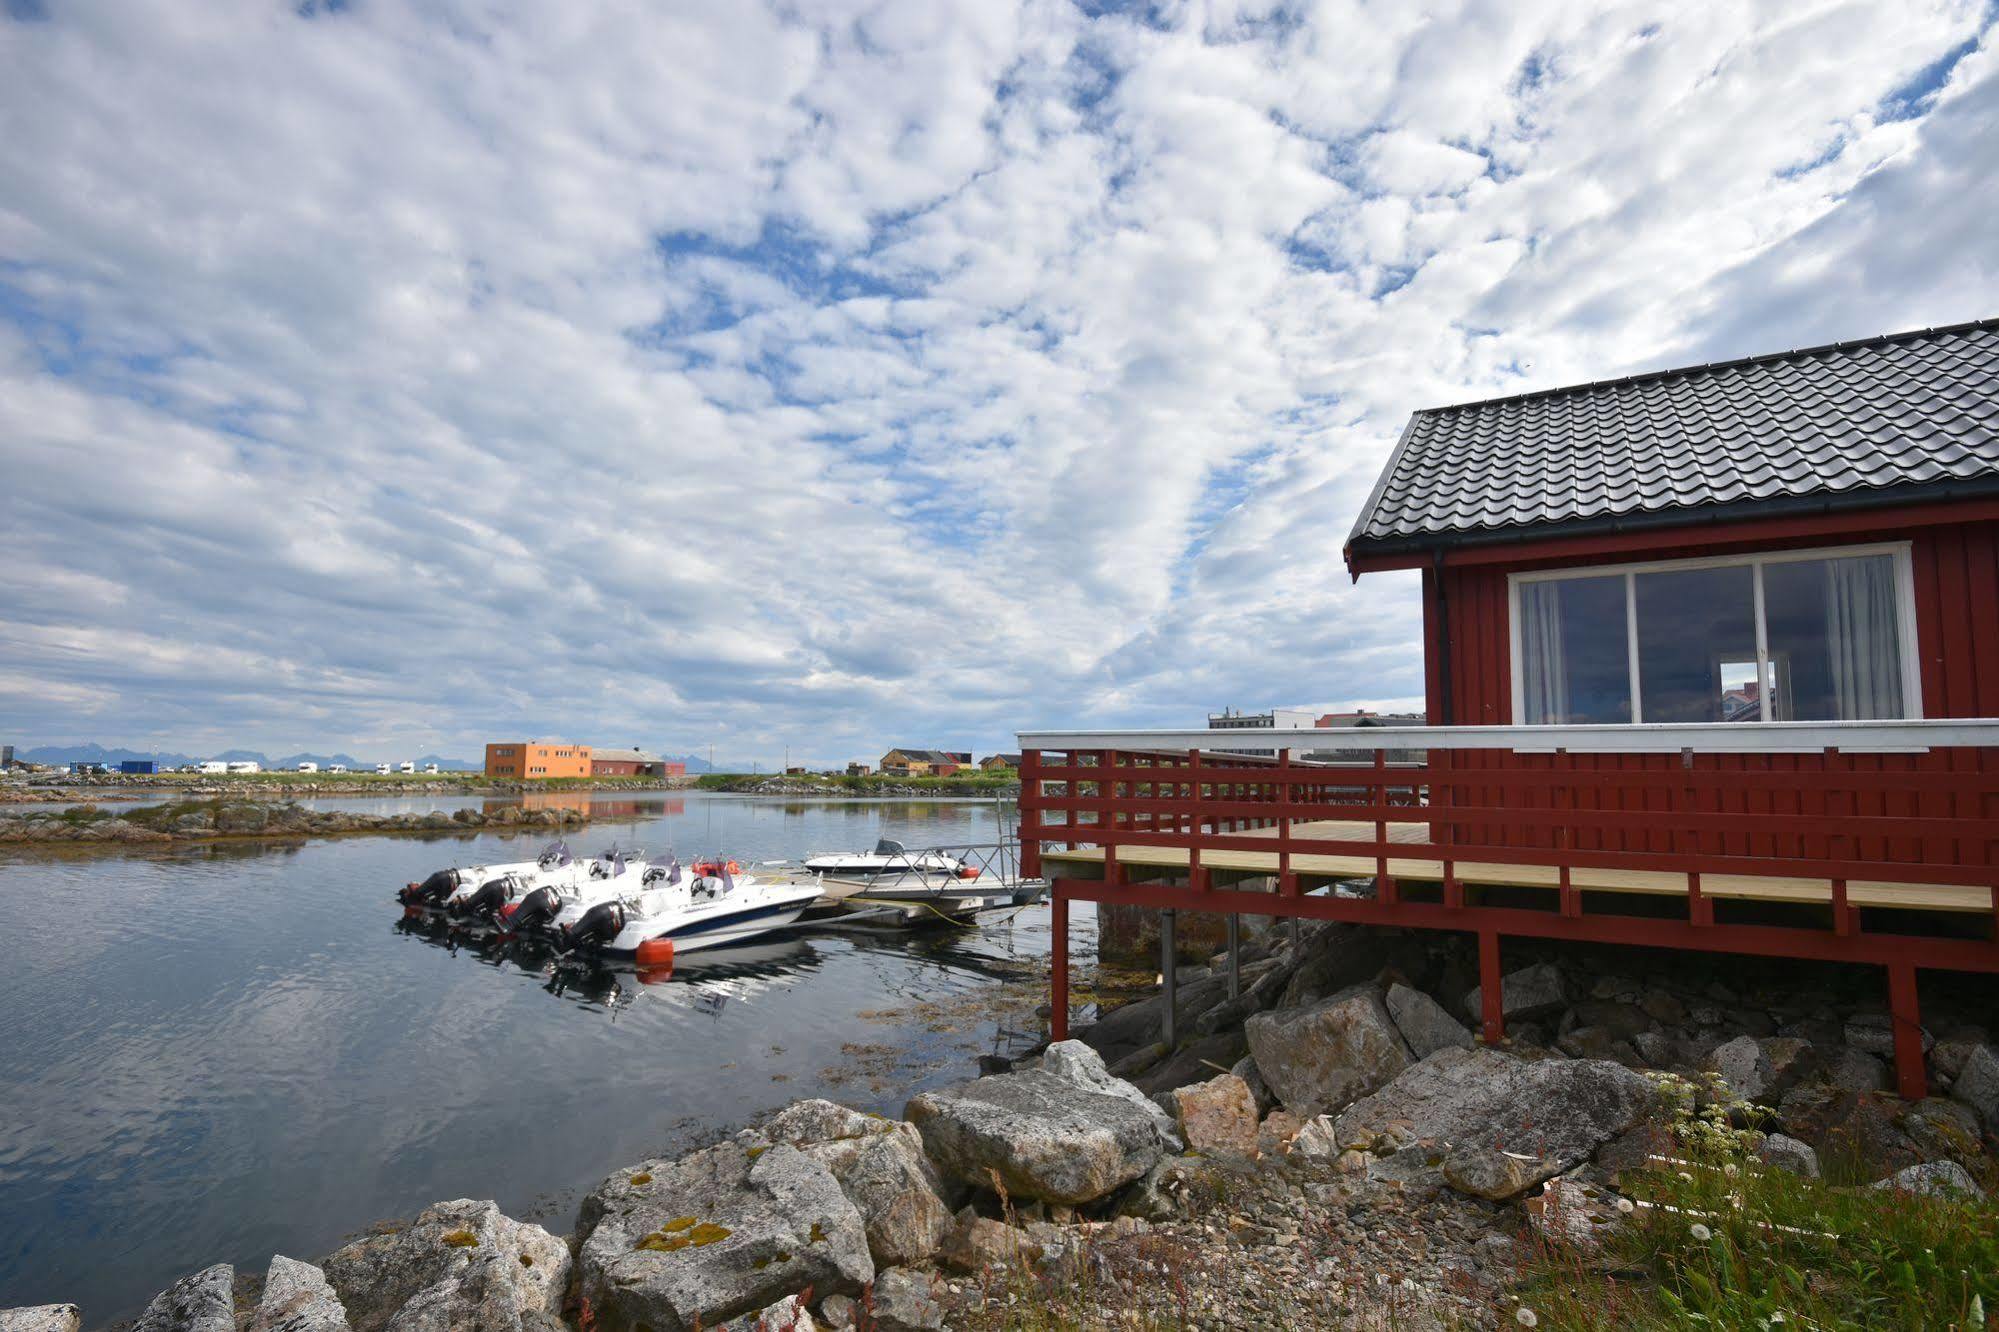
(217, 1053)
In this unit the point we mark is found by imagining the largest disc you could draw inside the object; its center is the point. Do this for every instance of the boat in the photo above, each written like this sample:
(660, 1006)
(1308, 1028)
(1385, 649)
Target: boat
(445, 885)
(707, 905)
(889, 857)
(553, 907)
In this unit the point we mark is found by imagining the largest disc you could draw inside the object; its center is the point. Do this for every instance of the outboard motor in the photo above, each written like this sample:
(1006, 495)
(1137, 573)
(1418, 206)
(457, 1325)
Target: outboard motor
(492, 895)
(431, 891)
(599, 925)
(534, 911)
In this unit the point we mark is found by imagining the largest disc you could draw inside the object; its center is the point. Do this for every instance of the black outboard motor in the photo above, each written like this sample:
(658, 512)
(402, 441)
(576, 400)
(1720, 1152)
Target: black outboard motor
(599, 925)
(534, 912)
(431, 891)
(492, 895)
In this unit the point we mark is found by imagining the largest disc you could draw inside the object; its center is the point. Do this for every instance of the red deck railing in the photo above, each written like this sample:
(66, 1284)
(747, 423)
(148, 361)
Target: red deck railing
(1863, 842)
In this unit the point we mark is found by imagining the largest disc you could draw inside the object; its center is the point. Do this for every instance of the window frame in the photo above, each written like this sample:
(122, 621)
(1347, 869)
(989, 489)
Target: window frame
(1905, 616)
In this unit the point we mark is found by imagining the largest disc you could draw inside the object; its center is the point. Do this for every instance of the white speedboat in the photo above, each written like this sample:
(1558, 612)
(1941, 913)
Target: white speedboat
(448, 885)
(889, 858)
(705, 906)
(553, 906)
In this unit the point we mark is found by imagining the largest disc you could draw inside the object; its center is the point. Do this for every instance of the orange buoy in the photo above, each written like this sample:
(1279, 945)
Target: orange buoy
(654, 953)
(734, 868)
(968, 871)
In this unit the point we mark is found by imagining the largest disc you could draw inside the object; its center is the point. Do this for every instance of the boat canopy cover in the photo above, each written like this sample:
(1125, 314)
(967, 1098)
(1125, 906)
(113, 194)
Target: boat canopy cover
(886, 847)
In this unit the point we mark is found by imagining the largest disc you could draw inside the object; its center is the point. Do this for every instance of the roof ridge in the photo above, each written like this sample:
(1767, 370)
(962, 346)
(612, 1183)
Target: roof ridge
(1705, 367)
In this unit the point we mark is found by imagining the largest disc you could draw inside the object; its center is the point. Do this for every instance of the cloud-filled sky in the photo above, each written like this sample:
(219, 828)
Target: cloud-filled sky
(394, 376)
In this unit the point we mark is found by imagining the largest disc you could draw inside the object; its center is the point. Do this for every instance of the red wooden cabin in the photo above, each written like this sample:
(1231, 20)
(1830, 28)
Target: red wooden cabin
(1712, 662)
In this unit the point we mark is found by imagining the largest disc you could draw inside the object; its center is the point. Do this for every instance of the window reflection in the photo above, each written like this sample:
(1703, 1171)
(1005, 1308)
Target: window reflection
(1574, 663)
(1690, 621)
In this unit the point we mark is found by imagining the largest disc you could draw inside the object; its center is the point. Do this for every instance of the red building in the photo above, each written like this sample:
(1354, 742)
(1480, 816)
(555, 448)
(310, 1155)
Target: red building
(1711, 663)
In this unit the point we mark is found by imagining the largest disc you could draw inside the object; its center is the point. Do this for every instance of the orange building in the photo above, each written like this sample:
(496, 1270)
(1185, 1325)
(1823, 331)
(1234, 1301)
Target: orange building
(531, 759)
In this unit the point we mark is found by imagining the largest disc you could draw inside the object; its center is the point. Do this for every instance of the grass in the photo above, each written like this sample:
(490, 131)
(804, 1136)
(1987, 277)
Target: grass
(1726, 1242)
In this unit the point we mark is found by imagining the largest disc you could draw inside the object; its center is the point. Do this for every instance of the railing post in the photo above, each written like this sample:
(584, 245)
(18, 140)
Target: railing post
(1169, 980)
(1197, 878)
(1058, 966)
(1107, 820)
(1030, 814)
(1844, 917)
(1700, 907)
(1384, 886)
(1287, 882)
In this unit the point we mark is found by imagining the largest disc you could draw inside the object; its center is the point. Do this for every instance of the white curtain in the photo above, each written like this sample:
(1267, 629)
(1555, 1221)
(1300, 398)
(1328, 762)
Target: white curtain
(1864, 638)
(1544, 684)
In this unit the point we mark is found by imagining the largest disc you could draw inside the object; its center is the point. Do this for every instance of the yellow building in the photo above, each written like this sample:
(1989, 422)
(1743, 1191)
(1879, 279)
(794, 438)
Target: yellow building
(529, 760)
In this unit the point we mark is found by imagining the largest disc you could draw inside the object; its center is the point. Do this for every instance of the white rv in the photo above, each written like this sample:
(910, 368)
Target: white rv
(430, 768)
(336, 767)
(308, 767)
(381, 769)
(410, 768)
(214, 765)
(246, 765)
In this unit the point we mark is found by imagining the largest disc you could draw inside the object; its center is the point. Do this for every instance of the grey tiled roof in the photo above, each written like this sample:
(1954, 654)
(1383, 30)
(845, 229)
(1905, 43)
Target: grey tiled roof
(1849, 423)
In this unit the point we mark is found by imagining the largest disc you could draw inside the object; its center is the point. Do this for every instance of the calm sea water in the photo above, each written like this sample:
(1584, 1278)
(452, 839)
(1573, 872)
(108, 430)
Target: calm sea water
(223, 1052)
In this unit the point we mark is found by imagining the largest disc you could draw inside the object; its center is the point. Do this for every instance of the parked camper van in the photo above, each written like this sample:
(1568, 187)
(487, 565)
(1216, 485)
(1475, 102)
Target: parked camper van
(381, 769)
(308, 767)
(336, 767)
(214, 765)
(410, 768)
(430, 768)
(246, 765)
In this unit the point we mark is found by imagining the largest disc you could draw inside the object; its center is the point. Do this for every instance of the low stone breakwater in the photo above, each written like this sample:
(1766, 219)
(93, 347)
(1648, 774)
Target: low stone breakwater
(197, 821)
(1328, 1148)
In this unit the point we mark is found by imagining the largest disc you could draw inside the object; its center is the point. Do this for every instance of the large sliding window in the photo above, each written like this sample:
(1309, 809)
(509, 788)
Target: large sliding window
(1794, 636)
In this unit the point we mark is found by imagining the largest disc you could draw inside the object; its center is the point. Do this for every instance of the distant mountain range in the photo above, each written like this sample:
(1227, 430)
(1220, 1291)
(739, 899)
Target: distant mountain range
(111, 758)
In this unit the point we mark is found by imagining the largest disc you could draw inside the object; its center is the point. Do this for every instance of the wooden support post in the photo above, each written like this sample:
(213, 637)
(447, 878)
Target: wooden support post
(1844, 917)
(1169, 981)
(1454, 892)
(1030, 814)
(1911, 1083)
(1491, 999)
(1058, 967)
(1700, 907)
(1235, 955)
(1287, 881)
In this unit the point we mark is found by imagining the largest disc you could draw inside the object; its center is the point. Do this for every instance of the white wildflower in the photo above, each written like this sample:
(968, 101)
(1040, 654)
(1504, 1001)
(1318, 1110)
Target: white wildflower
(1526, 1317)
(1730, 1170)
(1977, 1311)
(1700, 1232)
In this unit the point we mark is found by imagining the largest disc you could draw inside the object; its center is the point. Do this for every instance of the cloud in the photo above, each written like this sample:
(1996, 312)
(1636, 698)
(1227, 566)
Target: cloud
(394, 377)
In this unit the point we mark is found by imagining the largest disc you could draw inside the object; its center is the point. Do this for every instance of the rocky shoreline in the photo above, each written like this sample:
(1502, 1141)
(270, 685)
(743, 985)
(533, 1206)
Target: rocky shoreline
(271, 786)
(1330, 1148)
(219, 820)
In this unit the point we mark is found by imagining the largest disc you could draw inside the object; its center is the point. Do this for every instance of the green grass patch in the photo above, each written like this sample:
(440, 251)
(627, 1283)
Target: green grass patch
(1726, 1242)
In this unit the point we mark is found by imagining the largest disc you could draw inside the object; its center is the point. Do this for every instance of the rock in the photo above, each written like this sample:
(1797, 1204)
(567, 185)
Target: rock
(838, 1311)
(297, 1298)
(1323, 1056)
(787, 1315)
(458, 1262)
(1663, 1006)
(203, 1302)
(1043, 1135)
(978, 1243)
(42, 1318)
(1572, 1215)
(1498, 1176)
(1424, 1024)
(1596, 1043)
(880, 1166)
(1941, 1129)
(1077, 1063)
(1531, 992)
(1316, 1138)
(1654, 1048)
(1933, 1179)
(1857, 1071)
(677, 1244)
(1787, 1153)
(1561, 1109)
(1861, 1126)
(1953, 1047)
(1762, 1068)
(1622, 1020)
(241, 818)
(906, 1301)
(1259, 1090)
(1977, 1085)
(1218, 1115)
(1875, 1033)
(1194, 1062)
(1226, 1014)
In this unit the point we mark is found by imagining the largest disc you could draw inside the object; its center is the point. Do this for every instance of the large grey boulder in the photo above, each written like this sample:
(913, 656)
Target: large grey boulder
(202, 1302)
(297, 1298)
(1935, 1179)
(1763, 1068)
(1557, 1109)
(1218, 1115)
(1787, 1153)
(880, 1166)
(1977, 1085)
(1531, 992)
(1494, 1175)
(1424, 1023)
(1875, 1033)
(42, 1318)
(906, 1301)
(1076, 1062)
(460, 1262)
(673, 1245)
(1322, 1056)
(1043, 1134)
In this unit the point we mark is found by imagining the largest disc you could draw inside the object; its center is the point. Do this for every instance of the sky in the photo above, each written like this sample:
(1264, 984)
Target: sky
(815, 378)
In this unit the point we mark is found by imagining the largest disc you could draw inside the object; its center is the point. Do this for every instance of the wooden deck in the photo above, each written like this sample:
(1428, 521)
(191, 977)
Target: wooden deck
(1310, 865)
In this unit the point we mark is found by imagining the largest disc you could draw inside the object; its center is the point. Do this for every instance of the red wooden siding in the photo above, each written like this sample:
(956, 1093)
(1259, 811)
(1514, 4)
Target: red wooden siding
(1956, 573)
